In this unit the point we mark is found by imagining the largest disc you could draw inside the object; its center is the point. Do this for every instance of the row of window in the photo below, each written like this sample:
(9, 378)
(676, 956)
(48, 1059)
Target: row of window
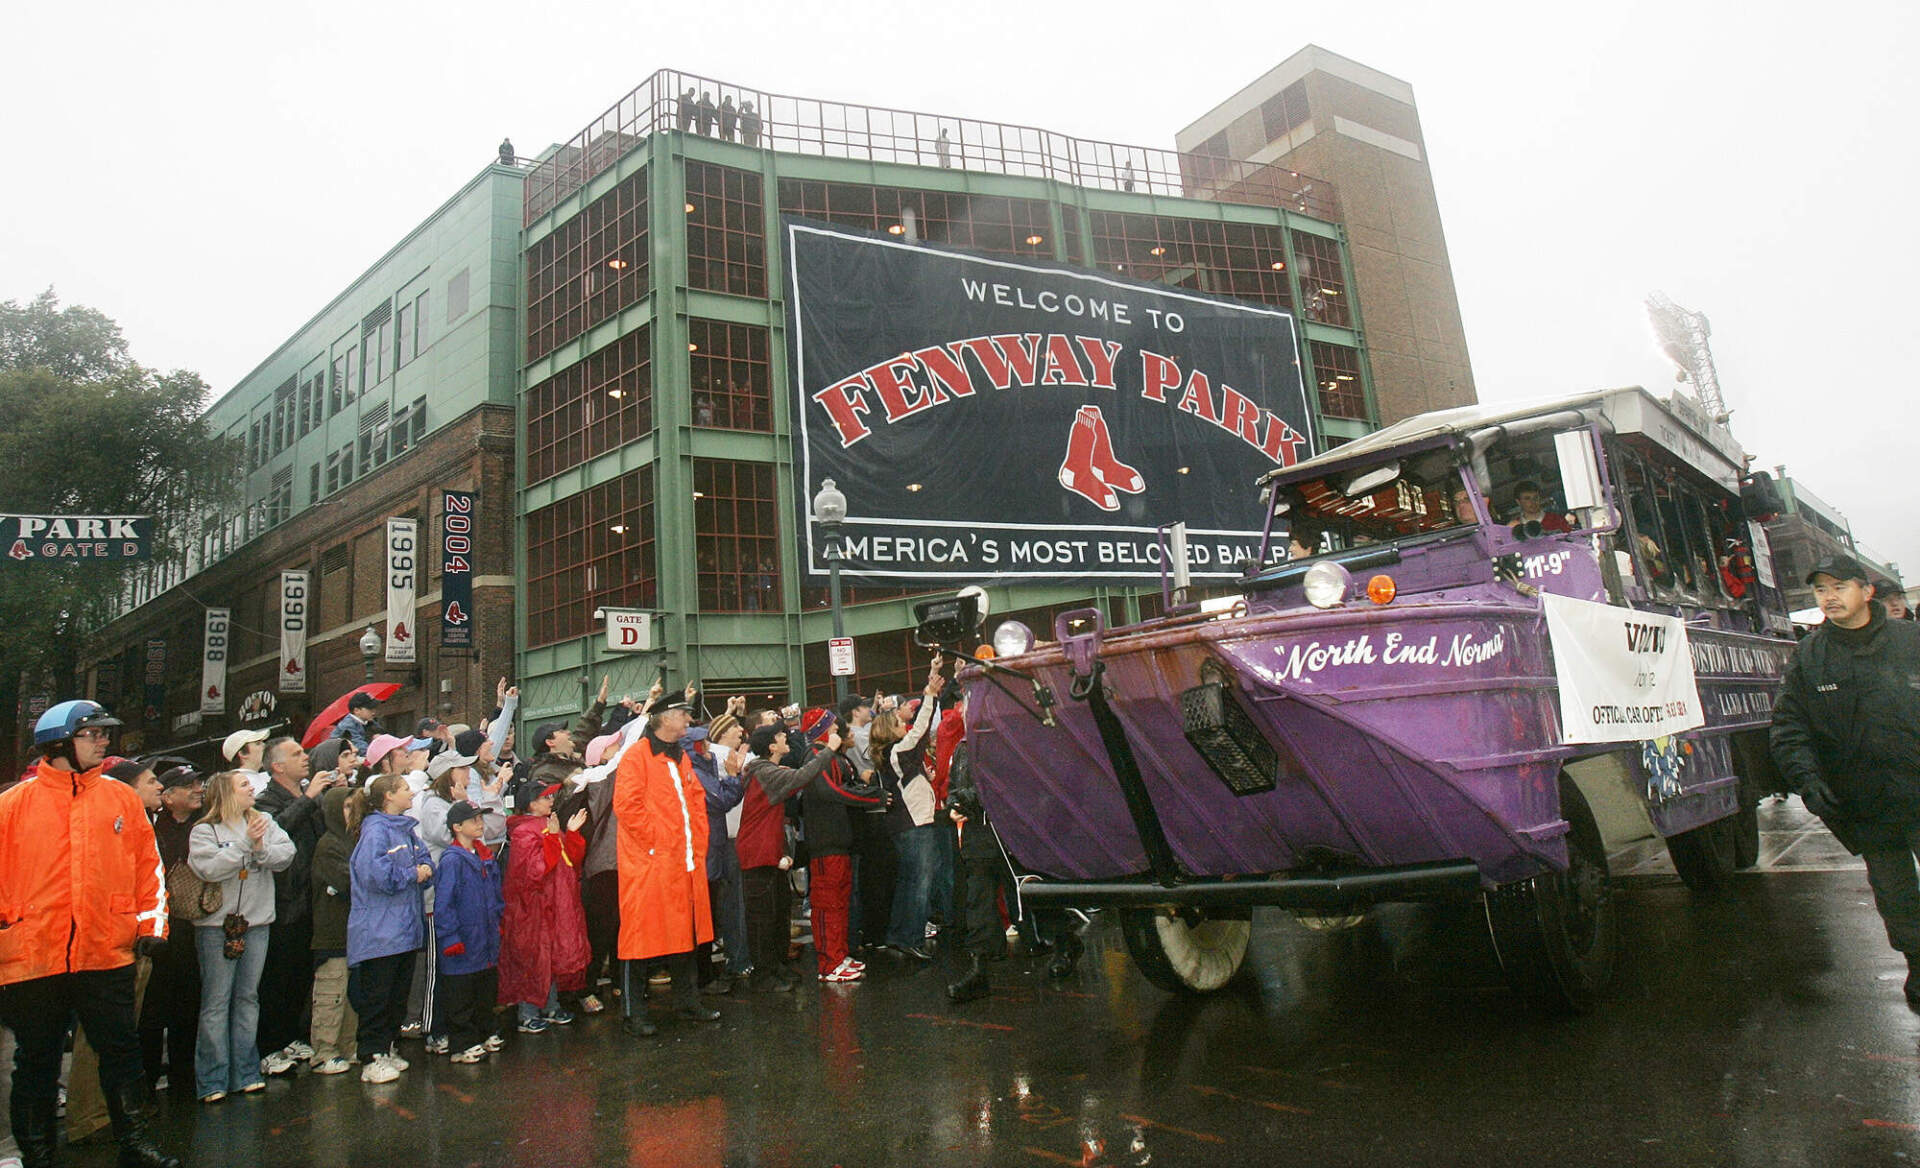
(594, 264)
(388, 339)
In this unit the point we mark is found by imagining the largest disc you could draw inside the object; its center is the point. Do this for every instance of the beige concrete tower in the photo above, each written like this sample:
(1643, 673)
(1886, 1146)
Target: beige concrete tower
(1322, 114)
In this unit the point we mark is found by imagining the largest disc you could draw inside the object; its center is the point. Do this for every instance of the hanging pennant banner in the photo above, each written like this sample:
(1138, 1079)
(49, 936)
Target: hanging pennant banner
(402, 580)
(293, 632)
(456, 570)
(155, 679)
(213, 662)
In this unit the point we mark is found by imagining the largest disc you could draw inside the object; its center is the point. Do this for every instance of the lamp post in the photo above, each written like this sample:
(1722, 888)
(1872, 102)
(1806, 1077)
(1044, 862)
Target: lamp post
(370, 645)
(829, 510)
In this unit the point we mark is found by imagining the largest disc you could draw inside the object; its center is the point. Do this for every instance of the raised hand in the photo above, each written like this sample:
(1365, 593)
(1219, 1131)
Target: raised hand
(577, 821)
(605, 681)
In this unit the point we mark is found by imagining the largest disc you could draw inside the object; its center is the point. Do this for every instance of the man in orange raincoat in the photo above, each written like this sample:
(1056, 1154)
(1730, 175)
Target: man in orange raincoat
(660, 813)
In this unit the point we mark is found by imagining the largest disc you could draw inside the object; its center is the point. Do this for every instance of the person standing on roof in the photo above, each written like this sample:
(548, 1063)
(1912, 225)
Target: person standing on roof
(69, 929)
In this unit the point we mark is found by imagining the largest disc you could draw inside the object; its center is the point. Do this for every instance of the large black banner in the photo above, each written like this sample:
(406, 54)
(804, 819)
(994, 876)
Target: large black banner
(456, 570)
(1011, 419)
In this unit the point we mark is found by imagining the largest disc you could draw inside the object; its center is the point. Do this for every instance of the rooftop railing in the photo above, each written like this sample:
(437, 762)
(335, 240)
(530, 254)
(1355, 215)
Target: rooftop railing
(828, 129)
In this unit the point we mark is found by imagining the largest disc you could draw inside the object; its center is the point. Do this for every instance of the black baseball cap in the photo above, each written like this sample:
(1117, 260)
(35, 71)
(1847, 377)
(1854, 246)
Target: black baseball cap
(460, 812)
(180, 775)
(1840, 568)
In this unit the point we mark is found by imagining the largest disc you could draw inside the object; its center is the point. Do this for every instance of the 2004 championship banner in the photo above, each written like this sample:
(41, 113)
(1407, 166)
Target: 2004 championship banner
(1018, 420)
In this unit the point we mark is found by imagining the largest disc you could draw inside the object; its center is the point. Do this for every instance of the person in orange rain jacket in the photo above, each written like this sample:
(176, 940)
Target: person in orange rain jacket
(660, 811)
(81, 891)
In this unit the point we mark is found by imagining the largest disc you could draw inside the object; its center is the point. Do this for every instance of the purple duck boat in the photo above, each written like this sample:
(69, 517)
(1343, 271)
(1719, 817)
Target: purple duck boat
(1505, 641)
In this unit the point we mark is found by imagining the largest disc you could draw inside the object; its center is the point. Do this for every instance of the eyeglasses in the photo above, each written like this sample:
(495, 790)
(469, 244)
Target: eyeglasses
(94, 733)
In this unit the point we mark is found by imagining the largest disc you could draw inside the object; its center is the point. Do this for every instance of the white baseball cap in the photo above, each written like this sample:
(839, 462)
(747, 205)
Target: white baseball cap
(239, 740)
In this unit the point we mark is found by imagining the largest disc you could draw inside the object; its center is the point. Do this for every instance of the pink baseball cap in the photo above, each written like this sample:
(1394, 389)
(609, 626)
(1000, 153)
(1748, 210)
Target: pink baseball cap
(597, 749)
(378, 748)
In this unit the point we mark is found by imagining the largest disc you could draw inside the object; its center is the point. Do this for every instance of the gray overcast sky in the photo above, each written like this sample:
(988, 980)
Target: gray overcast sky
(212, 174)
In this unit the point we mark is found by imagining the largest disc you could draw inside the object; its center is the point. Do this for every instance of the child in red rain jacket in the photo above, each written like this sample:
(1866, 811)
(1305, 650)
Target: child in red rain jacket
(543, 946)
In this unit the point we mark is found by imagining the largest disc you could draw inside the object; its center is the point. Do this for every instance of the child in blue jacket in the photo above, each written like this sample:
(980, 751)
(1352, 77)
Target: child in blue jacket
(467, 911)
(386, 922)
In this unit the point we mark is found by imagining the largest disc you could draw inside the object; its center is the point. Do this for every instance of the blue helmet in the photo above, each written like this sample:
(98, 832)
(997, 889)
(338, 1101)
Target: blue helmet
(69, 718)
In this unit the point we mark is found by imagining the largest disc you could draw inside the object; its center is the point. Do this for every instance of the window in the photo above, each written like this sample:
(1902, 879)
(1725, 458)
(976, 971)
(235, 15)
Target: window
(588, 551)
(457, 296)
(588, 268)
(1244, 260)
(1323, 281)
(591, 407)
(405, 322)
(409, 426)
(726, 232)
(1283, 111)
(284, 418)
(313, 482)
(730, 376)
(1336, 373)
(736, 536)
(987, 223)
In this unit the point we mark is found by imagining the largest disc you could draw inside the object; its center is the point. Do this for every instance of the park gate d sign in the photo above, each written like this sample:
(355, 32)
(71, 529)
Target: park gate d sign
(1014, 419)
(76, 537)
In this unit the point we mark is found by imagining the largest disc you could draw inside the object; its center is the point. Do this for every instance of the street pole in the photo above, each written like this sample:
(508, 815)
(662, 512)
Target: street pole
(833, 601)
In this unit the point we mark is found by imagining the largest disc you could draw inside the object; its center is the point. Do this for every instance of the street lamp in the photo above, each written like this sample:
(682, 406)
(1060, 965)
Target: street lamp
(370, 649)
(829, 511)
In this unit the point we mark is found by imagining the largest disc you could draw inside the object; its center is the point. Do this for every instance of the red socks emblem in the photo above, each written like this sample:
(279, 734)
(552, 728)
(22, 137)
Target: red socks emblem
(1090, 469)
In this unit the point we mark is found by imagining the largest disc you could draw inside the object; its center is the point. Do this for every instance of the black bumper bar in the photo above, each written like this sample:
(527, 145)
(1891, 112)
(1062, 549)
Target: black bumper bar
(1326, 892)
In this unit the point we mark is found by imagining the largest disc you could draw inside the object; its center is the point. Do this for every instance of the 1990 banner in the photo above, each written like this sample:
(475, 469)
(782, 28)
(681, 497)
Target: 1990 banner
(1011, 419)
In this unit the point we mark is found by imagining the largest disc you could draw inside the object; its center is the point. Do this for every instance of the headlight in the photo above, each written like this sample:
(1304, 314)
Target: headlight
(1012, 639)
(1327, 584)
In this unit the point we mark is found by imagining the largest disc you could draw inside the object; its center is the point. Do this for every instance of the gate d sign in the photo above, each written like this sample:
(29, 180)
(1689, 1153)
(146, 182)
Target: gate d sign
(629, 631)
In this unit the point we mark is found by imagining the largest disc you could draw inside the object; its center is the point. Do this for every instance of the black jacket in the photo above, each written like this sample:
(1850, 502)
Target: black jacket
(963, 798)
(1850, 714)
(302, 819)
(332, 875)
(835, 794)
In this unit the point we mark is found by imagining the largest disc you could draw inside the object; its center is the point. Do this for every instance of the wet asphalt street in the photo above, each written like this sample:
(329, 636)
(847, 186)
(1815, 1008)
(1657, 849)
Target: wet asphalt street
(1767, 1028)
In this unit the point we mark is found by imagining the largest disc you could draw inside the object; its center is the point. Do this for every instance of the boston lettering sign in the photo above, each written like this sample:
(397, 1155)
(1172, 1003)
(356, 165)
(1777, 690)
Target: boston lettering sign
(1018, 420)
(76, 537)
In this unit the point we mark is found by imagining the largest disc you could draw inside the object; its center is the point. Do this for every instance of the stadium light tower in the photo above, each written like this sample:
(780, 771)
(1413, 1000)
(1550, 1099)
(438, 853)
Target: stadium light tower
(1683, 338)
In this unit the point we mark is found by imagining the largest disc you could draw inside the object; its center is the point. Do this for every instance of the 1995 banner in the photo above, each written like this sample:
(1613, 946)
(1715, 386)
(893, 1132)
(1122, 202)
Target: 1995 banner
(1012, 419)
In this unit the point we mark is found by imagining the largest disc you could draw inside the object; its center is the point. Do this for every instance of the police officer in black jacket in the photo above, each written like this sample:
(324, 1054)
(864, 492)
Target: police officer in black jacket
(1846, 734)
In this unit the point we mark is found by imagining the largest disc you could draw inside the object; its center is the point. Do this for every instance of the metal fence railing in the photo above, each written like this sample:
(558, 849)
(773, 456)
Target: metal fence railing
(804, 125)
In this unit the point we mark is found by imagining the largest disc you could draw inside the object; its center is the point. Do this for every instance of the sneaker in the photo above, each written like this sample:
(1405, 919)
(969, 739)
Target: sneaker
(473, 1054)
(253, 1088)
(494, 1044)
(298, 1051)
(844, 972)
(914, 951)
(399, 1064)
(660, 979)
(591, 1005)
(380, 1070)
(856, 963)
(413, 1030)
(277, 1063)
(933, 930)
(15, 1161)
(533, 1025)
(558, 1017)
(333, 1066)
(437, 1044)
(213, 1097)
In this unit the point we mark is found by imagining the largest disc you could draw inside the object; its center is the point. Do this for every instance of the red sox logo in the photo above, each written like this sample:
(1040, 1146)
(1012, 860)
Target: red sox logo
(19, 550)
(1090, 469)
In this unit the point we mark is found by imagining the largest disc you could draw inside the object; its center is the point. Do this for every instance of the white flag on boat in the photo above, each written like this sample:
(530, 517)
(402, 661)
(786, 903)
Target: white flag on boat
(1625, 676)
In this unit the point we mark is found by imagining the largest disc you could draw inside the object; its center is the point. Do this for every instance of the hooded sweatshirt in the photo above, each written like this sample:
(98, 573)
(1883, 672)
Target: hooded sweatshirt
(221, 853)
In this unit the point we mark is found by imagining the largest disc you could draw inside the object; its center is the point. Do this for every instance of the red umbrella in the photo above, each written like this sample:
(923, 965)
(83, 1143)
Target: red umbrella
(324, 721)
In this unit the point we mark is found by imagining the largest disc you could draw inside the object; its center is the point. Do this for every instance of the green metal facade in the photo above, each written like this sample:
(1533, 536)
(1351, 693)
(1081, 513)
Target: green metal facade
(553, 677)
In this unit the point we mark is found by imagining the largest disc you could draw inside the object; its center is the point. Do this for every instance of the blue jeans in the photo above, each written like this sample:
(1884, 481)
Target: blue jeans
(528, 1011)
(919, 849)
(225, 1057)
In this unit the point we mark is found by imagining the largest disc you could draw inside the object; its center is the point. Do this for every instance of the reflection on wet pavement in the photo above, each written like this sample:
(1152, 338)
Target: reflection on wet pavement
(1763, 1028)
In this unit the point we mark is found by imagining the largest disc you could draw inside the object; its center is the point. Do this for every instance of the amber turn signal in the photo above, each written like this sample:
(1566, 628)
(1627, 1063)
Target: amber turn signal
(1380, 589)
(984, 652)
